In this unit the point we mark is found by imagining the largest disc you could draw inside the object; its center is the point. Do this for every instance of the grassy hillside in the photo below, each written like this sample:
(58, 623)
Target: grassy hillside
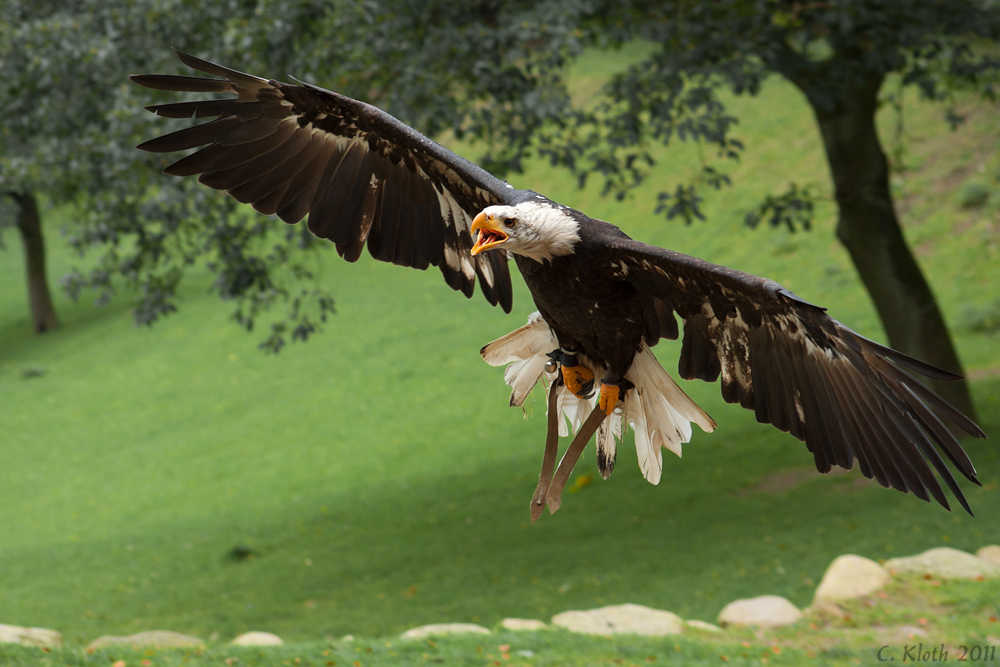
(374, 479)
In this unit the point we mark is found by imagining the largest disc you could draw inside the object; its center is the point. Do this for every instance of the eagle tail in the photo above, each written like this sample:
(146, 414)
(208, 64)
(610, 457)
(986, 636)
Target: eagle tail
(610, 431)
(522, 376)
(659, 412)
(525, 350)
(657, 409)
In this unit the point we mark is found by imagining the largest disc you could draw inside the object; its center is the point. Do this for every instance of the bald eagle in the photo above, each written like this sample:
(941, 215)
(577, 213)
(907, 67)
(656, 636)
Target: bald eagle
(366, 179)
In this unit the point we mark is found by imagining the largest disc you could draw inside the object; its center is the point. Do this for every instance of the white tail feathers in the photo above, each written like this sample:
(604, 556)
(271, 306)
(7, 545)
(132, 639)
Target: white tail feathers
(608, 434)
(657, 409)
(522, 376)
(522, 343)
(659, 412)
(523, 350)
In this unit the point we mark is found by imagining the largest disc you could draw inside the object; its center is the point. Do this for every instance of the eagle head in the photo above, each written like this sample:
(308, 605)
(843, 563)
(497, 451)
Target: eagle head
(532, 229)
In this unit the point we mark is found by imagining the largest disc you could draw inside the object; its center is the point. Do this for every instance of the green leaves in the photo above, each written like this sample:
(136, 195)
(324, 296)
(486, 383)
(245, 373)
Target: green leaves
(792, 209)
(69, 123)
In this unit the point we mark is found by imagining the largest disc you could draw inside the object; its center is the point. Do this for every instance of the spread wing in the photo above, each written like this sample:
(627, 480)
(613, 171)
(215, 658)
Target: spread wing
(844, 395)
(358, 173)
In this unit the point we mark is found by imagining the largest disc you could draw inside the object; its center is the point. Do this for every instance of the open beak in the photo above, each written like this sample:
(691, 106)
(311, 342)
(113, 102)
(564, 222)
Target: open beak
(490, 235)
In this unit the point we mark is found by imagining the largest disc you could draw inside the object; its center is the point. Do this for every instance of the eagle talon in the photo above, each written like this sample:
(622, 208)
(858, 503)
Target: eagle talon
(610, 393)
(579, 380)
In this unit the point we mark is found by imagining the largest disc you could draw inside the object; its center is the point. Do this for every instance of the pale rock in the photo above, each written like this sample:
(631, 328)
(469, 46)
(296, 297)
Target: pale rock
(623, 619)
(444, 629)
(40, 637)
(527, 624)
(766, 611)
(850, 577)
(257, 639)
(702, 625)
(148, 639)
(945, 563)
(990, 553)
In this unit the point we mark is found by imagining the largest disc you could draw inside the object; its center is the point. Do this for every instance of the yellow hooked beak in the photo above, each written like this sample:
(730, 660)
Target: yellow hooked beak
(490, 234)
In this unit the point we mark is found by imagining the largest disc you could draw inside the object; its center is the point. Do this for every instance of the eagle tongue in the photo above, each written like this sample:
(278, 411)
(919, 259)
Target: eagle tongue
(487, 237)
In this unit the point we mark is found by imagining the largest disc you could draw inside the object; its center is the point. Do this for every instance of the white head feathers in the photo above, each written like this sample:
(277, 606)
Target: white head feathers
(540, 231)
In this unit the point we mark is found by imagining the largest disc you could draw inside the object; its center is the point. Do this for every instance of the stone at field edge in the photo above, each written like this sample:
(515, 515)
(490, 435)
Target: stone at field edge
(523, 624)
(623, 619)
(766, 611)
(945, 563)
(849, 577)
(443, 629)
(257, 639)
(148, 639)
(40, 637)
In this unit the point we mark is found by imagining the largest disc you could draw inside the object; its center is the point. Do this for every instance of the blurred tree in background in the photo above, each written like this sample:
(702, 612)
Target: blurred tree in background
(494, 71)
(27, 219)
(69, 123)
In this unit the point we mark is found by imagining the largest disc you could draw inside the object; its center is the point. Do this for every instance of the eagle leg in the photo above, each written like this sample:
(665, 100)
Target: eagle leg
(578, 378)
(553, 499)
(551, 449)
(612, 393)
(609, 397)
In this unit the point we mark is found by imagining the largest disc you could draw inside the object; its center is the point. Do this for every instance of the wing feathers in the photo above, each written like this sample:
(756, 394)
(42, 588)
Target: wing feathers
(198, 109)
(501, 287)
(297, 202)
(187, 84)
(301, 150)
(848, 398)
(190, 137)
(370, 211)
(300, 172)
(241, 78)
(230, 157)
(383, 233)
(907, 361)
(344, 185)
(699, 357)
(197, 162)
(253, 130)
(868, 431)
(421, 237)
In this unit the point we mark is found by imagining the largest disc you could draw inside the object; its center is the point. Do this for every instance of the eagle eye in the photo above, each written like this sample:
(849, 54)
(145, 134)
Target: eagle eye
(509, 222)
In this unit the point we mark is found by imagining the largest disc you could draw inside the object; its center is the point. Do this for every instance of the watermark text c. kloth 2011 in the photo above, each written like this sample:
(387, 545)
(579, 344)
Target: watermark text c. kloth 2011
(925, 652)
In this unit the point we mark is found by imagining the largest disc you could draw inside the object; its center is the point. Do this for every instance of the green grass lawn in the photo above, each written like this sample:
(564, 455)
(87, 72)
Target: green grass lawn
(376, 476)
(542, 649)
(910, 618)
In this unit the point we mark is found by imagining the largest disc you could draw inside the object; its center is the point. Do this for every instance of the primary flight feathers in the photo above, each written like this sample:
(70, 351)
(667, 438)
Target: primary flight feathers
(300, 150)
(366, 179)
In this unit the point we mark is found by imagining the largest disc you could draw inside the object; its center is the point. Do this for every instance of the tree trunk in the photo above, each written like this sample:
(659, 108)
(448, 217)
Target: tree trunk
(43, 314)
(869, 229)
